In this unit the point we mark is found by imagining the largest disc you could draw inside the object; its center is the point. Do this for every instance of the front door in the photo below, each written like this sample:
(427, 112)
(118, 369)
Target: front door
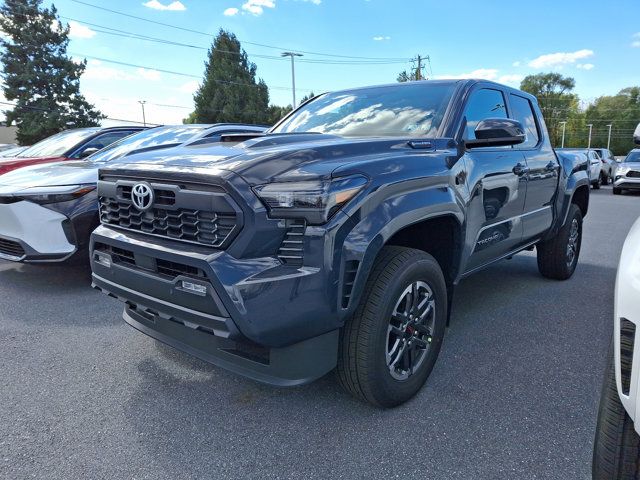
(497, 181)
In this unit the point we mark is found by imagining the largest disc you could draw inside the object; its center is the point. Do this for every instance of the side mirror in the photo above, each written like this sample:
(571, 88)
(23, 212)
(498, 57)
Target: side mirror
(497, 132)
(636, 135)
(89, 151)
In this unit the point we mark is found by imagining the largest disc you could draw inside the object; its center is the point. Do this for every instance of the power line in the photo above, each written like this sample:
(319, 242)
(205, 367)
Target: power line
(190, 30)
(129, 34)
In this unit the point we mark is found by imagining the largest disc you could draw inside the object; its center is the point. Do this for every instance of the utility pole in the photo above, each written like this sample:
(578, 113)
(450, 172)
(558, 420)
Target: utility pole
(144, 119)
(419, 59)
(293, 72)
(590, 125)
(564, 126)
(609, 137)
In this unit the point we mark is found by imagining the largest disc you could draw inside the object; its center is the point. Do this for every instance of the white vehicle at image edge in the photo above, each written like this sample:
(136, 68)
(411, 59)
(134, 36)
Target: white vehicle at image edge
(616, 453)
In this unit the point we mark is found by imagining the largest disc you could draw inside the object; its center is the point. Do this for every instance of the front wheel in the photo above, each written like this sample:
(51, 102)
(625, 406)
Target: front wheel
(558, 256)
(604, 179)
(597, 184)
(617, 191)
(390, 344)
(616, 448)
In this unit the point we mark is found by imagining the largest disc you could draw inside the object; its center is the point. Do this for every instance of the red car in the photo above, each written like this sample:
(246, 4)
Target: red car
(67, 145)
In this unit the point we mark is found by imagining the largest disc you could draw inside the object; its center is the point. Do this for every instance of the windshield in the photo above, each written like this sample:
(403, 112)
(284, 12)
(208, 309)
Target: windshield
(633, 157)
(154, 137)
(58, 144)
(412, 110)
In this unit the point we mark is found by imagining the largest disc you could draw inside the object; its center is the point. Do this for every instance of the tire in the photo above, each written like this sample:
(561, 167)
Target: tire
(555, 260)
(616, 449)
(596, 185)
(604, 179)
(617, 191)
(370, 364)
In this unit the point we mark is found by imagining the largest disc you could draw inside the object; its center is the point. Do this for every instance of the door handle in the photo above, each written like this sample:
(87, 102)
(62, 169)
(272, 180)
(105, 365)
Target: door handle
(520, 169)
(551, 166)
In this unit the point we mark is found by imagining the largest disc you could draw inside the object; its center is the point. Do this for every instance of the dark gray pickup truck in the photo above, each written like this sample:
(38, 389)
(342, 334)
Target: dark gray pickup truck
(337, 238)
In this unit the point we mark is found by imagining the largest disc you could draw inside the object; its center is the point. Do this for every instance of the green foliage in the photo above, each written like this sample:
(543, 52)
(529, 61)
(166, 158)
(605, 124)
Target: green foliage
(277, 113)
(622, 112)
(558, 104)
(410, 76)
(229, 91)
(39, 77)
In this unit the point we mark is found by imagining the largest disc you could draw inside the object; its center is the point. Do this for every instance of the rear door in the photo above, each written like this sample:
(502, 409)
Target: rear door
(544, 168)
(497, 185)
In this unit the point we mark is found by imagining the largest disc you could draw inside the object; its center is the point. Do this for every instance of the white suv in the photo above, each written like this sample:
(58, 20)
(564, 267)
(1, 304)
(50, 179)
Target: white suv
(616, 452)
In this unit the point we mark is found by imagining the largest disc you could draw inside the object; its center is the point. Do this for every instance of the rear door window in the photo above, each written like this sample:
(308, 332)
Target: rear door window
(522, 111)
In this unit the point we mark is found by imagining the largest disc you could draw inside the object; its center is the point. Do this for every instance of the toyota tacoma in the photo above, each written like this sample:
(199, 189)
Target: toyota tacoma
(336, 239)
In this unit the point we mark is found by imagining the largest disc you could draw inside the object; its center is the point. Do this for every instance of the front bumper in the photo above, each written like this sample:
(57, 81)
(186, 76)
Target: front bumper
(257, 317)
(628, 183)
(31, 232)
(627, 325)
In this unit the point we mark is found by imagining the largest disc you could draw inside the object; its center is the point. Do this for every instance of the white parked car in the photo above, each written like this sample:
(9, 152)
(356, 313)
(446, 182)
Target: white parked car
(616, 451)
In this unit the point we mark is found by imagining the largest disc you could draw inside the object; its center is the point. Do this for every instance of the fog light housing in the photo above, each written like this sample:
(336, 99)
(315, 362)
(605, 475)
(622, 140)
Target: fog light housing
(195, 288)
(103, 259)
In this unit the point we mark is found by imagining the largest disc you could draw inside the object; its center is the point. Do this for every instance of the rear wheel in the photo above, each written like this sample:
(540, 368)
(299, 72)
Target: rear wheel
(596, 185)
(604, 178)
(558, 256)
(390, 345)
(616, 451)
(617, 191)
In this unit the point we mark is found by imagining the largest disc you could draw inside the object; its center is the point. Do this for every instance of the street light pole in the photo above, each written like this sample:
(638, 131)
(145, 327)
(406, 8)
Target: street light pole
(293, 72)
(144, 119)
(590, 125)
(609, 137)
(564, 126)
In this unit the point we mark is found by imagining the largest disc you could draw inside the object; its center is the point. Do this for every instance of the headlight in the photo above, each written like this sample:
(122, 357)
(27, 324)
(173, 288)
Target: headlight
(315, 201)
(44, 195)
(622, 170)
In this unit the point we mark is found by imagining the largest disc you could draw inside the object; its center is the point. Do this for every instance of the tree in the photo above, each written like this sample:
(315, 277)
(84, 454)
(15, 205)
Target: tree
(410, 76)
(622, 112)
(42, 81)
(558, 104)
(229, 91)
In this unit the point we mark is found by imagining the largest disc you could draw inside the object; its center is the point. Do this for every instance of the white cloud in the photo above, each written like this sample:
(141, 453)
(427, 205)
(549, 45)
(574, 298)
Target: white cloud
(516, 64)
(315, 2)
(559, 59)
(151, 75)
(380, 38)
(256, 7)
(585, 66)
(636, 43)
(513, 79)
(77, 30)
(190, 87)
(96, 70)
(173, 6)
(231, 11)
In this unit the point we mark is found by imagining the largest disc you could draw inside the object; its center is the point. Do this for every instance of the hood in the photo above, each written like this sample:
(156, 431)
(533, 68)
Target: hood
(633, 165)
(271, 158)
(49, 175)
(11, 163)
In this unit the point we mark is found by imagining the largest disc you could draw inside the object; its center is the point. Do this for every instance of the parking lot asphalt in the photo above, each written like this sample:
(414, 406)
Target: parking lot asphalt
(514, 393)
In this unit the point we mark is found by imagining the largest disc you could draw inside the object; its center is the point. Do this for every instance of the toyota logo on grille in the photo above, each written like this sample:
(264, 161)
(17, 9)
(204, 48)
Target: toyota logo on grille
(142, 196)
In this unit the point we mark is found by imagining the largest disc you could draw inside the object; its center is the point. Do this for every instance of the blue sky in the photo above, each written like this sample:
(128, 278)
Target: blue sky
(596, 43)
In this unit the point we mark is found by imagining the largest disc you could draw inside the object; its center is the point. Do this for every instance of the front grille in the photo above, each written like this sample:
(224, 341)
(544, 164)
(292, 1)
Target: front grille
(162, 267)
(627, 340)
(199, 214)
(633, 174)
(292, 248)
(11, 248)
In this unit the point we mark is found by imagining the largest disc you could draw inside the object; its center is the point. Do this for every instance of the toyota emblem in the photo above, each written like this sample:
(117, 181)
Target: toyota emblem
(142, 196)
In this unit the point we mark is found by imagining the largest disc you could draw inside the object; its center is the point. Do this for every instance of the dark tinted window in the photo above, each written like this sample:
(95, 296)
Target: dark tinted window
(104, 140)
(483, 104)
(523, 112)
(146, 139)
(633, 157)
(412, 110)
